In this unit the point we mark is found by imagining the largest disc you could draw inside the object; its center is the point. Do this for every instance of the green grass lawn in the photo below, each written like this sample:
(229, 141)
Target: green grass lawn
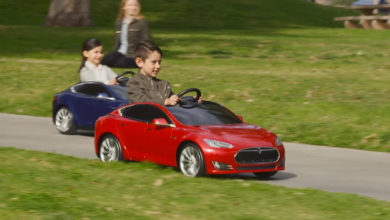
(38, 185)
(290, 68)
(284, 65)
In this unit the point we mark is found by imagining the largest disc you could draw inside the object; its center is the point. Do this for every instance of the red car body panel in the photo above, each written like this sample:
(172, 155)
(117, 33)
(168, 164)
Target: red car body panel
(143, 141)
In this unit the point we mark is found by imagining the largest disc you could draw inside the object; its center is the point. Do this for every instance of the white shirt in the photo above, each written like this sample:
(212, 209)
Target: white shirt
(123, 40)
(101, 73)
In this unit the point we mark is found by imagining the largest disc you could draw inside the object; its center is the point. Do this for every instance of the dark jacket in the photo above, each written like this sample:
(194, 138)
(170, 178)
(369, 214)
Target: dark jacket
(142, 88)
(138, 31)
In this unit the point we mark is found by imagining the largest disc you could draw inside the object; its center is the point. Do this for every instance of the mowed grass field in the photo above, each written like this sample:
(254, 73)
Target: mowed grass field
(38, 185)
(284, 65)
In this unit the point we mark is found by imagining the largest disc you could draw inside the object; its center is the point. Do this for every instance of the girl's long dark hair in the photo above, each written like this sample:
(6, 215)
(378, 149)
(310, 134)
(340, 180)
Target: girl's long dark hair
(88, 44)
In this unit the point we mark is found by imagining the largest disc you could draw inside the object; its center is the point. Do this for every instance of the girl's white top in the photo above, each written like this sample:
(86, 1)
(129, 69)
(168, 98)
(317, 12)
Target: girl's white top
(101, 73)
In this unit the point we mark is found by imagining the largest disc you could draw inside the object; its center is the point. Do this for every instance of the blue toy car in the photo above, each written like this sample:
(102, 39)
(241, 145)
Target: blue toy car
(78, 107)
(369, 2)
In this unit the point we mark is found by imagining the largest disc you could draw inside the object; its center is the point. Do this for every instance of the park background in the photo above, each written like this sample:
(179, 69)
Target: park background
(284, 65)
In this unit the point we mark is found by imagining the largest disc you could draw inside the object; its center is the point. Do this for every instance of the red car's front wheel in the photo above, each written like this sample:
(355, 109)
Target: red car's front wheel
(191, 162)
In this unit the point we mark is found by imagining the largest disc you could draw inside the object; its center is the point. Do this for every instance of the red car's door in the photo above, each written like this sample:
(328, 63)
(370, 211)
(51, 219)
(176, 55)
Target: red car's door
(158, 143)
(132, 135)
(145, 140)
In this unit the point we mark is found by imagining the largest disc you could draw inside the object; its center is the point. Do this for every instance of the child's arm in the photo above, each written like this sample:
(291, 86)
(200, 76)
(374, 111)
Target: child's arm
(112, 82)
(171, 100)
(112, 76)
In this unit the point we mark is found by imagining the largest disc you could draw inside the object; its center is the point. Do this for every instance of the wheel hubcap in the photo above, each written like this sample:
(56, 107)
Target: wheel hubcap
(190, 161)
(63, 119)
(109, 150)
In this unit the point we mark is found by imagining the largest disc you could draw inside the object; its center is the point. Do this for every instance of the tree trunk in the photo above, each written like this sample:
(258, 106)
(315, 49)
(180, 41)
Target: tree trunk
(69, 13)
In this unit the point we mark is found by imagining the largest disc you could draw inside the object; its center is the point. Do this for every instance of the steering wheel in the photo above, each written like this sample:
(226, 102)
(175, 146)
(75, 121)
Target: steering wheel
(189, 101)
(123, 80)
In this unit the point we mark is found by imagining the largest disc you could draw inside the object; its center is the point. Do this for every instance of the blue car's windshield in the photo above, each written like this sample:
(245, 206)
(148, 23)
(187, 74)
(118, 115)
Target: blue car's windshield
(120, 91)
(207, 113)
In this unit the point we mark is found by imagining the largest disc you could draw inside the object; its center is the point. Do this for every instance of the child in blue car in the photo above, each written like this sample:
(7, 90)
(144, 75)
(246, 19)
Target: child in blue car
(91, 69)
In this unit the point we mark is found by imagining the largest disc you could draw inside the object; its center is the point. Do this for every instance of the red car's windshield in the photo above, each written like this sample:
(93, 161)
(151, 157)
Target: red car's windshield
(206, 113)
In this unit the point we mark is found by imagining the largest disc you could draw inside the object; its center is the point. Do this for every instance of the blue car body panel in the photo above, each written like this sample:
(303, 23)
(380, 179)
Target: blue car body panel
(90, 100)
(369, 2)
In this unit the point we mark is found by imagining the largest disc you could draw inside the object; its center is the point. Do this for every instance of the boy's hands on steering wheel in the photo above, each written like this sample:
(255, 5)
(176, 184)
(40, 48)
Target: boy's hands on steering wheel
(171, 100)
(200, 99)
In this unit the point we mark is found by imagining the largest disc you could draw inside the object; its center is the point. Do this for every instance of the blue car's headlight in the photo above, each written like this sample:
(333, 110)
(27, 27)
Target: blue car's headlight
(278, 142)
(218, 144)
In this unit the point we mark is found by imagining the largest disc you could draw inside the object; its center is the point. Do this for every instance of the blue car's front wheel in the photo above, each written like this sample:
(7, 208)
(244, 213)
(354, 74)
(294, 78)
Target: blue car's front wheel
(64, 121)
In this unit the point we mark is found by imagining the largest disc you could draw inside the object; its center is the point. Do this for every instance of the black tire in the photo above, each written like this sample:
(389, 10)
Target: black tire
(191, 161)
(64, 121)
(110, 149)
(265, 175)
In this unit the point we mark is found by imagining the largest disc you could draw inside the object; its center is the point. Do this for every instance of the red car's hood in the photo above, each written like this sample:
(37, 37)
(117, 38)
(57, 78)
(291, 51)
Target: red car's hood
(240, 135)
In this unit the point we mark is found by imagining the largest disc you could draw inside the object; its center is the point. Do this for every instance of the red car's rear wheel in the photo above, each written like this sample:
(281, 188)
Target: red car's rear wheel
(110, 149)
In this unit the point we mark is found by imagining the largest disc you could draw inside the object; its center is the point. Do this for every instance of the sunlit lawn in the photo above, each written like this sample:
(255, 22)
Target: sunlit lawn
(288, 69)
(284, 65)
(318, 86)
(47, 186)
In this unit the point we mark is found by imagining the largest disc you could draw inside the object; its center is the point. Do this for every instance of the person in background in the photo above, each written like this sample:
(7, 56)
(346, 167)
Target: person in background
(90, 68)
(130, 29)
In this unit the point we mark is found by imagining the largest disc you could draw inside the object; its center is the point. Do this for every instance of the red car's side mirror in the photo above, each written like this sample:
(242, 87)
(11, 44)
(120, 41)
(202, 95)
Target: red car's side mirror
(240, 117)
(161, 122)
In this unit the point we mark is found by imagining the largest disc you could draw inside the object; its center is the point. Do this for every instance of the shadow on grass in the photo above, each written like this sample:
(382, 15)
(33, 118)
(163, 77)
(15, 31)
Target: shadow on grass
(281, 175)
(252, 18)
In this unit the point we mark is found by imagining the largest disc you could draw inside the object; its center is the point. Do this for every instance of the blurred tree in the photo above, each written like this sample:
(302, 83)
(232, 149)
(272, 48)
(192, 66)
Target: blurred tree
(69, 13)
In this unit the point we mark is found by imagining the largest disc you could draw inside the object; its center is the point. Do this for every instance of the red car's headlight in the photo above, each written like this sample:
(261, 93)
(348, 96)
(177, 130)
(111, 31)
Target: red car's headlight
(218, 144)
(278, 142)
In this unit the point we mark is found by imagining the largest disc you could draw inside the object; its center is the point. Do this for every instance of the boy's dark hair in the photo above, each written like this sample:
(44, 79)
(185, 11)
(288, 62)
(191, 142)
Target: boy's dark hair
(88, 44)
(144, 48)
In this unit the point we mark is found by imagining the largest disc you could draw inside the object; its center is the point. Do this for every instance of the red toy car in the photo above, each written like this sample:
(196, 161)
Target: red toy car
(198, 138)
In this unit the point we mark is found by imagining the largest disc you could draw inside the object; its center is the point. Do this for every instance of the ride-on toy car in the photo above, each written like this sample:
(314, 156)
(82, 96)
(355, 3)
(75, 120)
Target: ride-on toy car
(198, 138)
(79, 106)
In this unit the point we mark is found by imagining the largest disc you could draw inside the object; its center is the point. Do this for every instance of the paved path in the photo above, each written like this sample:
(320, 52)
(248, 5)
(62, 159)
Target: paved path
(326, 168)
(39, 133)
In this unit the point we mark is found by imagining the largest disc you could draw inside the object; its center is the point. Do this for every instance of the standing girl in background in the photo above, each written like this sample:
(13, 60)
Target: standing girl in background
(130, 29)
(91, 69)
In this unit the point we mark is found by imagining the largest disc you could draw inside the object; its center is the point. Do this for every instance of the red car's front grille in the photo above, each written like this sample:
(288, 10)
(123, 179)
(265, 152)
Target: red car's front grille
(257, 155)
(256, 167)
